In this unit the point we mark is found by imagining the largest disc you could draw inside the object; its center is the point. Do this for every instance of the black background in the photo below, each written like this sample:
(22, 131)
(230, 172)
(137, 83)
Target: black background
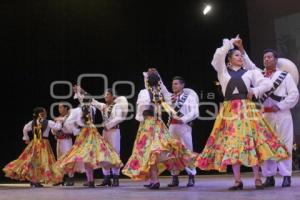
(48, 40)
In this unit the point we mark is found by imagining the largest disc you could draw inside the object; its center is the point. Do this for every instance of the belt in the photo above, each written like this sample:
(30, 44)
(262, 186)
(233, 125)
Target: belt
(174, 121)
(268, 110)
(64, 136)
(277, 98)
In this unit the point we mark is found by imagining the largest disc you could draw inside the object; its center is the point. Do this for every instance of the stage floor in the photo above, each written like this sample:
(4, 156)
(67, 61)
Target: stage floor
(212, 187)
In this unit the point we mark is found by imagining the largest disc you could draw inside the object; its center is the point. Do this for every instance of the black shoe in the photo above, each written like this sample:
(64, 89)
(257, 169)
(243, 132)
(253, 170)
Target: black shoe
(154, 186)
(90, 184)
(106, 181)
(69, 181)
(237, 187)
(191, 181)
(115, 181)
(259, 185)
(286, 181)
(148, 185)
(269, 182)
(58, 184)
(36, 185)
(175, 182)
(86, 184)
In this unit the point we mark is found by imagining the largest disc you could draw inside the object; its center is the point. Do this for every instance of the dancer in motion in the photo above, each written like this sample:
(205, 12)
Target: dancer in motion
(64, 138)
(240, 136)
(36, 162)
(155, 150)
(185, 102)
(114, 112)
(90, 151)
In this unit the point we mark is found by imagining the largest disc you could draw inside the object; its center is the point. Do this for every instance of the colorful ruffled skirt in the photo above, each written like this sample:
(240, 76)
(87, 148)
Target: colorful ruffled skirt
(35, 164)
(89, 149)
(240, 136)
(155, 146)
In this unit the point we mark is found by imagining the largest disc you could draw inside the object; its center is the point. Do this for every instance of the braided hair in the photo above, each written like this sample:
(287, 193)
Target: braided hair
(86, 109)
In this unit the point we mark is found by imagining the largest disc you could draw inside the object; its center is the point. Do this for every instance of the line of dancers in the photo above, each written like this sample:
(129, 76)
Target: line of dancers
(243, 134)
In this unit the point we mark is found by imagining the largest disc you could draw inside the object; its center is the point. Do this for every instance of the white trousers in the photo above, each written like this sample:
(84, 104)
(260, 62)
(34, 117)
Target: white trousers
(62, 147)
(282, 123)
(113, 137)
(183, 132)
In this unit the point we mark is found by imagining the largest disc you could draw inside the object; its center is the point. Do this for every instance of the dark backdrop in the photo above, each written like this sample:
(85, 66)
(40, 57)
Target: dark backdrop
(47, 40)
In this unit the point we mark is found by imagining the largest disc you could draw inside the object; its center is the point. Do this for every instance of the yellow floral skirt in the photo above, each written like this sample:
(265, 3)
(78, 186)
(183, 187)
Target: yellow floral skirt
(155, 146)
(35, 164)
(240, 136)
(89, 149)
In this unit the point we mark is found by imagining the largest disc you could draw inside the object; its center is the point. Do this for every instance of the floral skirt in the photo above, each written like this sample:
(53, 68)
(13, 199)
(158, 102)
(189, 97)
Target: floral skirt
(35, 164)
(155, 146)
(240, 136)
(89, 149)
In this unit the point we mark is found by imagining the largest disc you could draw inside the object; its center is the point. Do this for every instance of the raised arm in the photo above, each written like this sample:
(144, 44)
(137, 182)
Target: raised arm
(218, 61)
(248, 64)
(98, 105)
(167, 95)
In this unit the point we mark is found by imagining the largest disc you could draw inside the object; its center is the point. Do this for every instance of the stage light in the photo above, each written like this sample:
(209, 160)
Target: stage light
(207, 9)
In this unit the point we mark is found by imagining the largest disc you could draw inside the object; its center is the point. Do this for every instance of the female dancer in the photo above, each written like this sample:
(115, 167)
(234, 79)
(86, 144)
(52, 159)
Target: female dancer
(90, 151)
(154, 149)
(240, 135)
(36, 163)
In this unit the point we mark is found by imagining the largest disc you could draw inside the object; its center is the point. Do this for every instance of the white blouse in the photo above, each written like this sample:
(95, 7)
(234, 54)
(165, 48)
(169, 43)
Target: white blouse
(251, 77)
(51, 125)
(144, 101)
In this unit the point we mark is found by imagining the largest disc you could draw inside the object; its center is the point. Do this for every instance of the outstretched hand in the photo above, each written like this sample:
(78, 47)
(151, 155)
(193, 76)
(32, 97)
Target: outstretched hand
(238, 42)
(77, 88)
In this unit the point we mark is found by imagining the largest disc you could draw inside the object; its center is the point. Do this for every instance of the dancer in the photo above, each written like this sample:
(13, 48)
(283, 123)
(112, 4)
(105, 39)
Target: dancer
(155, 150)
(240, 135)
(114, 112)
(64, 139)
(36, 162)
(90, 151)
(185, 102)
(277, 103)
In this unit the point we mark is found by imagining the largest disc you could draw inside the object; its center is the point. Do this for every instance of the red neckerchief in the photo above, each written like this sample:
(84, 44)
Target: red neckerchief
(268, 73)
(175, 97)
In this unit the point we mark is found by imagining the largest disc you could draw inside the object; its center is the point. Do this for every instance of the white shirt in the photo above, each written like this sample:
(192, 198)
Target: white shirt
(189, 109)
(143, 103)
(115, 117)
(251, 77)
(51, 125)
(287, 88)
(72, 121)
